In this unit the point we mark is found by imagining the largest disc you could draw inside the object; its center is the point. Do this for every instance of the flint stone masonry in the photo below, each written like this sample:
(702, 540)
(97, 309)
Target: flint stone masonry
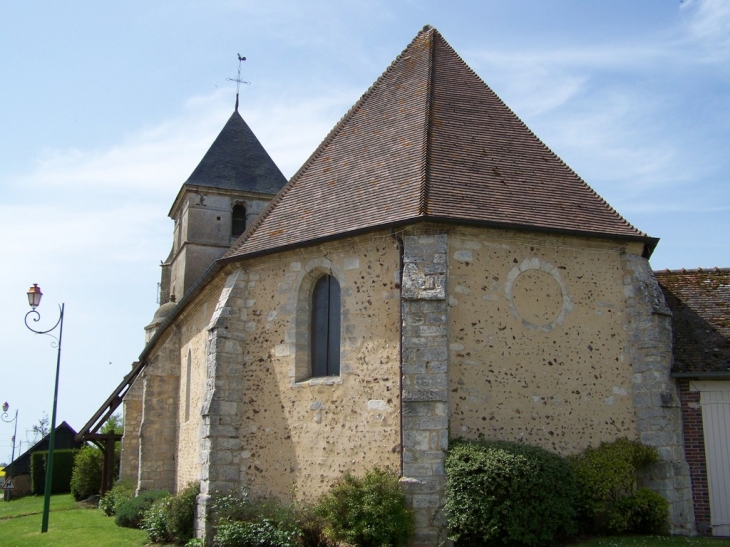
(129, 457)
(157, 430)
(220, 444)
(425, 382)
(656, 402)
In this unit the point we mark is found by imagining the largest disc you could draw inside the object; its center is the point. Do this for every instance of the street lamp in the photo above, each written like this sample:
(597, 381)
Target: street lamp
(4, 418)
(34, 299)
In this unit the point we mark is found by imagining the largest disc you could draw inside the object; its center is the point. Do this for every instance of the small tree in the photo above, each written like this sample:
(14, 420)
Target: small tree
(86, 477)
(40, 429)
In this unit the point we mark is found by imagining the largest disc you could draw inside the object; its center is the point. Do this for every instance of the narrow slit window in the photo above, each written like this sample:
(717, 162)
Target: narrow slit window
(325, 342)
(188, 377)
(238, 220)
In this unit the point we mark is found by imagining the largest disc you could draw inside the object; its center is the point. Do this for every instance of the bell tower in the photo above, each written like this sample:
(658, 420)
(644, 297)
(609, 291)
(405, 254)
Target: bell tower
(227, 190)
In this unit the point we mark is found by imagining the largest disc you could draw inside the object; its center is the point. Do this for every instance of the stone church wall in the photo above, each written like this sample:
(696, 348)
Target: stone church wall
(537, 345)
(193, 368)
(298, 435)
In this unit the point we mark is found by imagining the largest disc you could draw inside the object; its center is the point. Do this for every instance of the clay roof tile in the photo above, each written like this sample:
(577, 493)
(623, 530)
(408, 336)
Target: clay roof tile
(430, 141)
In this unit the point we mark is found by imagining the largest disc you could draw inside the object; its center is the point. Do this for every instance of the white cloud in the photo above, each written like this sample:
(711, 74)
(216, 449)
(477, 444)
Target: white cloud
(708, 25)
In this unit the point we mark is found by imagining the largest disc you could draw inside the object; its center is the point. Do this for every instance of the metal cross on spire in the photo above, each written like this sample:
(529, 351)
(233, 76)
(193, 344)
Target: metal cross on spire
(238, 79)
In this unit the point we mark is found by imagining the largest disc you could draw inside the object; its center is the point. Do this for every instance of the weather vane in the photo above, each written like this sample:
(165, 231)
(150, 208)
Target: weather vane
(238, 79)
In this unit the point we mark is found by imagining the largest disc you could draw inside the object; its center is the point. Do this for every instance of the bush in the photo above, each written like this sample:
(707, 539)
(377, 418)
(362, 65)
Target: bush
(259, 533)
(87, 471)
(500, 492)
(644, 512)
(367, 512)
(119, 493)
(181, 513)
(606, 477)
(129, 513)
(155, 521)
(172, 518)
(244, 521)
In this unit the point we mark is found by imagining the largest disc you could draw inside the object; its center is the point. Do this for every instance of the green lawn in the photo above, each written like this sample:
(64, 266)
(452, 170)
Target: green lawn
(75, 525)
(69, 524)
(654, 541)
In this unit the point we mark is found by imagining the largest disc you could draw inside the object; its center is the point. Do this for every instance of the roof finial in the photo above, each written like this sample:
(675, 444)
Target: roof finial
(238, 79)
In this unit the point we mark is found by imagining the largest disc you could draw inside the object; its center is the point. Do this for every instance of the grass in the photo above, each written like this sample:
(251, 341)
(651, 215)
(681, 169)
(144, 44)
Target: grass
(74, 524)
(653, 541)
(69, 524)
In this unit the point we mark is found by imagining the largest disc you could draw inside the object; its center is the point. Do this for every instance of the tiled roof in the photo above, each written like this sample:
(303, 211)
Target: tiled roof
(237, 161)
(700, 305)
(429, 140)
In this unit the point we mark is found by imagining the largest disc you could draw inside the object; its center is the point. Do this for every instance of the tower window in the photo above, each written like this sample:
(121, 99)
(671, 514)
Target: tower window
(238, 220)
(325, 326)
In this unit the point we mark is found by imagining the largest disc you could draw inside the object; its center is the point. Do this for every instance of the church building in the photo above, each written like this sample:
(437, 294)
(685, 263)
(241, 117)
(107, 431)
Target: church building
(432, 271)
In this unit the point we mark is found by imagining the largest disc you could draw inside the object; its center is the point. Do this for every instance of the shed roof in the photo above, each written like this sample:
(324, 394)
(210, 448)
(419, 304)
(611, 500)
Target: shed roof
(700, 304)
(430, 141)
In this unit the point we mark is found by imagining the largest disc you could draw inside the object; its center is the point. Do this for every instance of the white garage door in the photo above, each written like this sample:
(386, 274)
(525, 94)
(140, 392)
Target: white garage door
(715, 401)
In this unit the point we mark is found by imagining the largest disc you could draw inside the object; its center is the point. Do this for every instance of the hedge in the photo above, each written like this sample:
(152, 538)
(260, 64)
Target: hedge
(63, 462)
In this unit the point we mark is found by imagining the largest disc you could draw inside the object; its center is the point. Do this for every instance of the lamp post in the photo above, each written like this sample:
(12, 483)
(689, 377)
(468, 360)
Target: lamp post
(4, 418)
(34, 299)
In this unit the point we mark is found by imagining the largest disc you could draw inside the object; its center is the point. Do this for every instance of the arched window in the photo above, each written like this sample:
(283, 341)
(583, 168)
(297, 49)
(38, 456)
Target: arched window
(238, 220)
(325, 327)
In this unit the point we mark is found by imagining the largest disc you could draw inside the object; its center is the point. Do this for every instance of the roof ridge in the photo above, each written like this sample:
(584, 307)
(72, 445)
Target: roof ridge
(425, 163)
(320, 149)
(697, 270)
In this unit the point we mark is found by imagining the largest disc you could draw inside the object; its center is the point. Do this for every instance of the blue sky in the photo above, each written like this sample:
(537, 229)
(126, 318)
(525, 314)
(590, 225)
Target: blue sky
(106, 108)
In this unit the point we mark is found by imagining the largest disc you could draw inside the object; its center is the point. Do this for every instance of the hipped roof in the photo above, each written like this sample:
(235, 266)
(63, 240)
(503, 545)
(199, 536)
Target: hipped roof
(237, 161)
(430, 141)
(700, 305)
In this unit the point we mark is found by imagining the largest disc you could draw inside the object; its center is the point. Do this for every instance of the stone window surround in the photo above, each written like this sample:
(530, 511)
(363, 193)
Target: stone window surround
(247, 208)
(304, 288)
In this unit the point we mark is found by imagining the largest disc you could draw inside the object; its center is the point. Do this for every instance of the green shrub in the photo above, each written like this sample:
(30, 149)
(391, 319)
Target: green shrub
(129, 513)
(63, 462)
(312, 526)
(241, 520)
(260, 533)
(499, 492)
(606, 477)
(181, 513)
(119, 493)
(644, 512)
(172, 518)
(367, 512)
(155, 521)
(87, 472)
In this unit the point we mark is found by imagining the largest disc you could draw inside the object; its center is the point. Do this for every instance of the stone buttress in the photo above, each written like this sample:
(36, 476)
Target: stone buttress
(158, 427)
(656, 402)
(425, 382)
(220, 441)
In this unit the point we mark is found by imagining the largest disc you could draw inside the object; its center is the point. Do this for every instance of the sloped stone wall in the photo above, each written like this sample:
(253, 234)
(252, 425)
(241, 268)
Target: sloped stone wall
(132, 413)
(158, 427)
(655, 396)
(220, 445)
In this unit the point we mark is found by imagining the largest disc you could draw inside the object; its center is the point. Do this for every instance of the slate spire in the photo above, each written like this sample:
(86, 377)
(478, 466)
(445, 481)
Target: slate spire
(237, 161)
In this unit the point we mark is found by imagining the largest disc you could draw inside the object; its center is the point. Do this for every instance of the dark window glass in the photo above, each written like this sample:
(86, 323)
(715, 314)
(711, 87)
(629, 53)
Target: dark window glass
(325, 348)
(238, 221)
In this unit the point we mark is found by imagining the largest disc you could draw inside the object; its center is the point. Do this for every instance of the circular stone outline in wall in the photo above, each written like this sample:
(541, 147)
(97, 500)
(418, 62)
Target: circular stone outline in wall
(537, 295)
